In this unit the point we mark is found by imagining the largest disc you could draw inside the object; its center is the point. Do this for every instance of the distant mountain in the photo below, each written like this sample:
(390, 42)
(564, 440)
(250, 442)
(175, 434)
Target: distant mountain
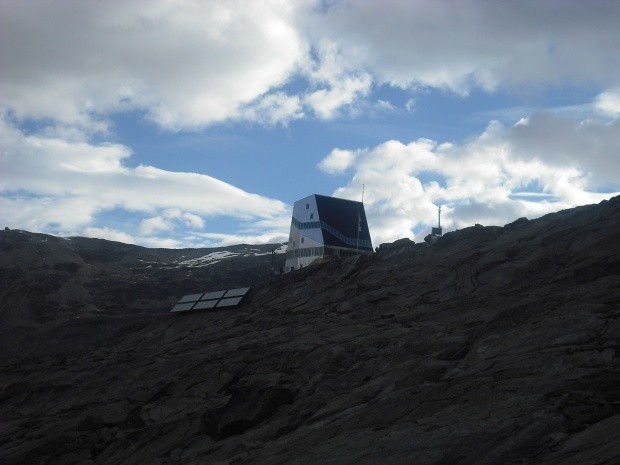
(492, 345)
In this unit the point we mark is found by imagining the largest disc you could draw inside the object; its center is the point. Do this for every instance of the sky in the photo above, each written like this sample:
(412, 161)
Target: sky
(180, 123)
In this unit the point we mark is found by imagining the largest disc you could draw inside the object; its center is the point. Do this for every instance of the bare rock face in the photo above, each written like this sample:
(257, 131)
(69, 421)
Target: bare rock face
(45, 278)
(399, 244)
(492, 345)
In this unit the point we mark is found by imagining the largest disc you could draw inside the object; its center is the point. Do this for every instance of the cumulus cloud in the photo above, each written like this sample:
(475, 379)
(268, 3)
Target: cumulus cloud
(341, 93)
(272, 109)
(609, 102)
(338, 161)
(338, 85)
(184, 63)
(528, 169)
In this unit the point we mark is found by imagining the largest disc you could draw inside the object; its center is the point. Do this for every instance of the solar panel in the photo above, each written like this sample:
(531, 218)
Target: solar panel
(212, 295)
(182, 307)
(190, 298)
(232, 302)
(204, 304)
(237, 292)
(211, 300)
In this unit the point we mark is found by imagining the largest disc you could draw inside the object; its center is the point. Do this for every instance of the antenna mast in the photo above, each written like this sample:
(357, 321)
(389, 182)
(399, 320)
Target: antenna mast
(436, 232)
(362, 193)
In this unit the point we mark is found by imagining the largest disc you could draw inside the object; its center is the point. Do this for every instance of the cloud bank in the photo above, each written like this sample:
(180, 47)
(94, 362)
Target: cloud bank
(476, 43)
(50, 184)
(188, 64)
(534, 167)
(69, 68)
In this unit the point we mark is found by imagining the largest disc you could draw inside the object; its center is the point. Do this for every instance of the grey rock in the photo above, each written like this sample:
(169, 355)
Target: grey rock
(523, 221)
(399, 244)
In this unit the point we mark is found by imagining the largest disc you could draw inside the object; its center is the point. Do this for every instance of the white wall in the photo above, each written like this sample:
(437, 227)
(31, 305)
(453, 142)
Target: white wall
(304, 210)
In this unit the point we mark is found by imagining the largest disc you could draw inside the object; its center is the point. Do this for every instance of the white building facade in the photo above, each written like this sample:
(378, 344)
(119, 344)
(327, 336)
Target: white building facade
(324, 226)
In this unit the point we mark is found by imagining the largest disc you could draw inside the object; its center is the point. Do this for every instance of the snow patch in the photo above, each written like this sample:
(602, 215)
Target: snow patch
(215, 257)
(282, 249)
(208, 259)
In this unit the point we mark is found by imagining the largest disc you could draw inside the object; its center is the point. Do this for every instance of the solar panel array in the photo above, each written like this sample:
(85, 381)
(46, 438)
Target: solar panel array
(210, 300)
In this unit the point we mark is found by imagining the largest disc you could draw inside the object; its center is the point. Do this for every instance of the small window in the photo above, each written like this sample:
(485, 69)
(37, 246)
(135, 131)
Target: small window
(302, 240)
(307, 206)
(311, 215)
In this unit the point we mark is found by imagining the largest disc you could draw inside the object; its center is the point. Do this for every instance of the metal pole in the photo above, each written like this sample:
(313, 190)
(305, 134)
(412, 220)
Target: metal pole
(359, 226)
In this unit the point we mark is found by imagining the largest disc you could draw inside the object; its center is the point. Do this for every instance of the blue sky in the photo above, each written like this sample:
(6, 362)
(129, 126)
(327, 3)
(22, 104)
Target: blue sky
(199, 123)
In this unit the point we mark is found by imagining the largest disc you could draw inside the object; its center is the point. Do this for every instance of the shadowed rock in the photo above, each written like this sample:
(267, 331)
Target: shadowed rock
(494, 345)
(246, 408)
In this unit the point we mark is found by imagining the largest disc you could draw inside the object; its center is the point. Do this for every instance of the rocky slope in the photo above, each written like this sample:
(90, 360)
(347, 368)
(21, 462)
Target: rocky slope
(493, 345)
(44, 277)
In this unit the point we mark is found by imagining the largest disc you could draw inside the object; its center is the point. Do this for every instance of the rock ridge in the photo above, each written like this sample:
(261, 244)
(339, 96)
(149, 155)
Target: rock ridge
(490, 345)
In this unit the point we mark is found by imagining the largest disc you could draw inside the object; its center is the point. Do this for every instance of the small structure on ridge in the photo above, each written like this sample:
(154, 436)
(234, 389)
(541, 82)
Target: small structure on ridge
(436, 232)
(326, 226)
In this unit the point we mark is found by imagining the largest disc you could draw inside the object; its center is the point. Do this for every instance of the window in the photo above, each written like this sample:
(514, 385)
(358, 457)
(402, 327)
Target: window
(307, 206)
(311, 215)
(302, 240)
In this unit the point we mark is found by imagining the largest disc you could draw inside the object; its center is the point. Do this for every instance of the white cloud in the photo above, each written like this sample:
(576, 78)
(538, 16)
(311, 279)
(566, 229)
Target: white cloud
(109, 234)
(185, 63)
(70, 67)
(609, 102)
(338, 85)
(188, 63)
(46, 213)
(263, 231)
(154, 224)
(481, 181)
(120, 236)
(338, 161)
(385, 105)
(169, 220)
(223, 239)
(54, 185)
(327, 102)
(193, 221)
(272, 109)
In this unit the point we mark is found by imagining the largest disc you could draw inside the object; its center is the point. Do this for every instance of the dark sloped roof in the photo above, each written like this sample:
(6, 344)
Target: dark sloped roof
(344, 216)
